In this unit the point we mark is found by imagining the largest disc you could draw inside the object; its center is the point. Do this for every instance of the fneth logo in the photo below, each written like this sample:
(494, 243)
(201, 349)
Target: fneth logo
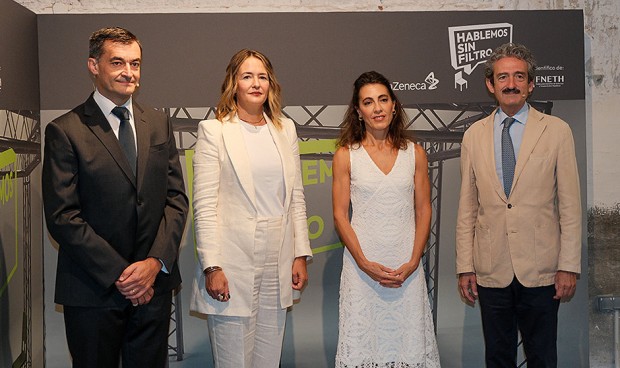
(430, 83)
(554, 80)
(470, 46)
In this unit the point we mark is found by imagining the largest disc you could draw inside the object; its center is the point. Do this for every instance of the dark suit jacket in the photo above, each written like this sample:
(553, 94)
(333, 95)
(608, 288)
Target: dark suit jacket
(102, 216)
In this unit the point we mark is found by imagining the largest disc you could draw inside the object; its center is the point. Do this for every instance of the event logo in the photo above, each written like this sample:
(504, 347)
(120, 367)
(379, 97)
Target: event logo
(7, 179)
(8, 186)
(429, 83)
(554, 80)
(470, 46)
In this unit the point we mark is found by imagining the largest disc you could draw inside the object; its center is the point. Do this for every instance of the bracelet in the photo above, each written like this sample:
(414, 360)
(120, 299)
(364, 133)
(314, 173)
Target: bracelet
(211, 269)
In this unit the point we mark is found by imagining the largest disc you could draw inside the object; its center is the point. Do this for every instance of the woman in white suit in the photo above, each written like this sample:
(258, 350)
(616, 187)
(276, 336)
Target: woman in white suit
(250, 217)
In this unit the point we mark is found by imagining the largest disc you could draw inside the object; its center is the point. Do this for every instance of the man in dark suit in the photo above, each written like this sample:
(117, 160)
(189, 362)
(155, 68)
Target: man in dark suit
(114, 201)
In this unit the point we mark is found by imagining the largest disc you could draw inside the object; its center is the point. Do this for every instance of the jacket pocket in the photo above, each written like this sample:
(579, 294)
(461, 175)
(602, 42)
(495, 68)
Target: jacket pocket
(547, 247)
(158, 147)
(482, 249)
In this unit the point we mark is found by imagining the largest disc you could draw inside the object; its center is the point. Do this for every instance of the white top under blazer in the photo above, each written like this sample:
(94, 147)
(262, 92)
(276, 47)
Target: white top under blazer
(226, 212)
(266, 167)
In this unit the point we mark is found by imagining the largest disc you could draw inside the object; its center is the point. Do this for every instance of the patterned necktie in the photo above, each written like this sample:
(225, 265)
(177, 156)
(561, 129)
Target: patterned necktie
(508, 156)
(125, 136)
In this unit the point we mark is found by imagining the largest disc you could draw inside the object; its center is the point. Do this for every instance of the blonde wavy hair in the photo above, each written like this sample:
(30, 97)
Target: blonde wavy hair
(227, 106)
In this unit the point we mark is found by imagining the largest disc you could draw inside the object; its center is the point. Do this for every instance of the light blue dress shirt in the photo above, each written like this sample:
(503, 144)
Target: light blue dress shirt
(516, 134)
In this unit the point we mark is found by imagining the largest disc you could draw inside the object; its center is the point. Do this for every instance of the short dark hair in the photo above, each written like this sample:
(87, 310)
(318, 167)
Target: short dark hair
(511, 50)
(114, 34)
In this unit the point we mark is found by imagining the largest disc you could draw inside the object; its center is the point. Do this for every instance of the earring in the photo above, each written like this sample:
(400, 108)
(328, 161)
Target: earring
(360, 118)
(394, 112)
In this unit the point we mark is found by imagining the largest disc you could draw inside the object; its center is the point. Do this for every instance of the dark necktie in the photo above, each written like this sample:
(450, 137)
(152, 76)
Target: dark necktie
(508, 156)
(125, 136)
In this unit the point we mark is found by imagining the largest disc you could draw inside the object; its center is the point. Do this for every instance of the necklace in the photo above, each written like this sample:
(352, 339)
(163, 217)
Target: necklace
(255, 124)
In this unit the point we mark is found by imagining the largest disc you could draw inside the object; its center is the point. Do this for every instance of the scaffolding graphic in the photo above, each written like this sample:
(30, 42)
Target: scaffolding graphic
(21, 132)
(444, 125)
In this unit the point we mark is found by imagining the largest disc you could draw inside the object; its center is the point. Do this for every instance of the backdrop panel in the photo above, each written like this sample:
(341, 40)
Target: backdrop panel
(19, 67)
(318, 55)
(434, 60)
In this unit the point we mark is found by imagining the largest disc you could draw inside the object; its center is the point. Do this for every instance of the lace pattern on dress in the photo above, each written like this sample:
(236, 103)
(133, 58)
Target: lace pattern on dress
(382, 327)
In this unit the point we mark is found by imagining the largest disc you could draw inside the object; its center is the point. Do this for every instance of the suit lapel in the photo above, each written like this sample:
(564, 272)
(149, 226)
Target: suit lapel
(534, 128)
(143, 141)
(286, 157)
(98, 124)
(488, 152)
(238, 154)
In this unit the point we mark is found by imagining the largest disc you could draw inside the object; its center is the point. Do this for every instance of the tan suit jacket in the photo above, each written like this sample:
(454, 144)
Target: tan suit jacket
(225, 213)
(537, 230)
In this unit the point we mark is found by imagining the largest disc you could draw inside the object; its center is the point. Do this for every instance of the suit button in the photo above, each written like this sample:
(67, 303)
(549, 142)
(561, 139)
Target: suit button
(140, 202)
(509, 206)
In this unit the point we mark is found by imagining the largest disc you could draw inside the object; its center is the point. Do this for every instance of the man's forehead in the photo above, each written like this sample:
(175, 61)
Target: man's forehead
(114, 49)
(510, 64)
(510, 60)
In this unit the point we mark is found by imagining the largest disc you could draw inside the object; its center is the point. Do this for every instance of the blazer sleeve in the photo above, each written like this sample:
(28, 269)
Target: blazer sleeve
(569, 205)
(467, 211)
(172, 225)
(63, 211)
(206, 188)
(298, 201)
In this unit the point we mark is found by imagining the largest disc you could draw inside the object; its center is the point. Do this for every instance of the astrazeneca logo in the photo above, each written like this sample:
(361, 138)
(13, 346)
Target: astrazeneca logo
(430, 83)
(471, 45)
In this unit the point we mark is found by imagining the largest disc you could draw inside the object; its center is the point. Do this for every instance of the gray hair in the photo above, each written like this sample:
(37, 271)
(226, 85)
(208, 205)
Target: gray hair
(511, 50)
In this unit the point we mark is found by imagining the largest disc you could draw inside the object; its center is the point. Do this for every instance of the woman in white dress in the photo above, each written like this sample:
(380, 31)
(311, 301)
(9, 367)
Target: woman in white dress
(385, 317)
(250, 217)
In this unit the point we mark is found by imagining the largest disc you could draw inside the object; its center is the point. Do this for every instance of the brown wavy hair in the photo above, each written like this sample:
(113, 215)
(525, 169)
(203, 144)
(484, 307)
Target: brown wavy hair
(227, 106)
(353, 130)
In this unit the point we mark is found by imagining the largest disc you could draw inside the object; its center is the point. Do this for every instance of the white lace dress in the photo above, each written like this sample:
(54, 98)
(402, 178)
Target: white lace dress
(382, 327)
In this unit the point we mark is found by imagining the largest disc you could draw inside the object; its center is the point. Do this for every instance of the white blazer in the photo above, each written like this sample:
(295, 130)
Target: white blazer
(225, 214)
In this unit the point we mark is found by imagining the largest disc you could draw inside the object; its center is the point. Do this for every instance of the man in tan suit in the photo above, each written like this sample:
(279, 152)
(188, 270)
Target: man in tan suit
(518, 235)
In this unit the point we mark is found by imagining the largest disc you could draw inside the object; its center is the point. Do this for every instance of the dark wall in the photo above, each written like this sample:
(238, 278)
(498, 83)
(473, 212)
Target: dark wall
(317, 56)
(19, 66)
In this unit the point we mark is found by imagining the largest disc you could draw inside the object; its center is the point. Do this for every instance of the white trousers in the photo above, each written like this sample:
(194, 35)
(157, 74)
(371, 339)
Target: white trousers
(255, 341)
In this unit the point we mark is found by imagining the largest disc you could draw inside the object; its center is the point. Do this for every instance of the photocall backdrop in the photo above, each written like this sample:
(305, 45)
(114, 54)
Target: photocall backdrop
(432, 58)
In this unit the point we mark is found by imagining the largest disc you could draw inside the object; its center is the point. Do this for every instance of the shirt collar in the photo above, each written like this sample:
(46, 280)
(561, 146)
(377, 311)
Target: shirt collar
(520, 116)
(106, 105)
